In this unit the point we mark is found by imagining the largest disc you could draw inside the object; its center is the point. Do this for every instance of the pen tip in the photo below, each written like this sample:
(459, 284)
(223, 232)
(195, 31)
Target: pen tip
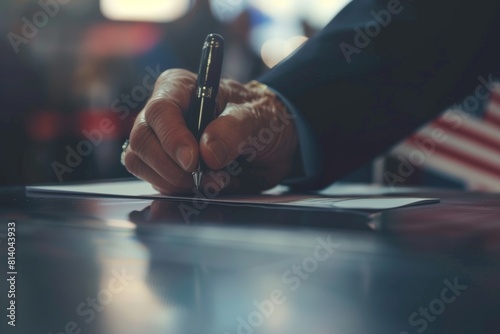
(197, 175)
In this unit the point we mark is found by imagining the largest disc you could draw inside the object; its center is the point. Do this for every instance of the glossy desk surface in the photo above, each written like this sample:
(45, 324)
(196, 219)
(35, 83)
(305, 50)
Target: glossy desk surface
(104, 265)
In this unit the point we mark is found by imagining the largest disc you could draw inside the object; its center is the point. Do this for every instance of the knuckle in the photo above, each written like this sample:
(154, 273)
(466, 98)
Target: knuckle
(169, 133)
(155, 109)
(133, 164)
(140, 138)
(232, 85)
(242, 118)
(232, 91)
(170, 137)
(175, 73)
(173, 91)
(168, 75)
(175, 84)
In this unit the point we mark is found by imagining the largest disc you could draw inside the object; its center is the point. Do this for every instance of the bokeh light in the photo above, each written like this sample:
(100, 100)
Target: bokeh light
(145, 10)
(275, 50)
(227, 10)
(278, 8)
(319, 12)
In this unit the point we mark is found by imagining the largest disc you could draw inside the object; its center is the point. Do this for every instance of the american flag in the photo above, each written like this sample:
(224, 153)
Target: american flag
(460, 145)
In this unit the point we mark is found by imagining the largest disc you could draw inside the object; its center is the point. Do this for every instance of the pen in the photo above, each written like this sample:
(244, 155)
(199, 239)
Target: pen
(202, 109)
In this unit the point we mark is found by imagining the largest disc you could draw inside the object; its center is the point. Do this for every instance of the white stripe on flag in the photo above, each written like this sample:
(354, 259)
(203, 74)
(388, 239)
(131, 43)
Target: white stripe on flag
(493, 108)
(473, 177)
(467, 147)
(471, 124)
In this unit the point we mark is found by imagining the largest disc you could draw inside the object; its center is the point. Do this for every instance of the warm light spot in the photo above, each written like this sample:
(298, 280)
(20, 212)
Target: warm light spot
(275, 50)
(277, 8)
(319, 12)
(294, 43)
(122, 224)
(106, 39)
(145, 10)
(44, 125)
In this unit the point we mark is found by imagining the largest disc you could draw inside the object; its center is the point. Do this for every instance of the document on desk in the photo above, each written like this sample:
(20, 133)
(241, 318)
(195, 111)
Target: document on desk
(275, 196)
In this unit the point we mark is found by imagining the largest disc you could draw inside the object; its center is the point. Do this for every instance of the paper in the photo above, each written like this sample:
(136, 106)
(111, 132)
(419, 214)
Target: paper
(275, 196)
(360, 189)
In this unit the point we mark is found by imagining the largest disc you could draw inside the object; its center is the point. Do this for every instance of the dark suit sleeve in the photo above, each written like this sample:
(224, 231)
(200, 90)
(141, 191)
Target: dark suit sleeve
(362, 94)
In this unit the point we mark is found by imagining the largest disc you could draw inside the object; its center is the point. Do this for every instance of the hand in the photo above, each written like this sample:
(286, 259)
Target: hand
(249, 147)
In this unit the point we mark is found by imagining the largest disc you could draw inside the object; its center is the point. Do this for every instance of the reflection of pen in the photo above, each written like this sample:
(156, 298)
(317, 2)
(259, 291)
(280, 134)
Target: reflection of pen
(202, 109)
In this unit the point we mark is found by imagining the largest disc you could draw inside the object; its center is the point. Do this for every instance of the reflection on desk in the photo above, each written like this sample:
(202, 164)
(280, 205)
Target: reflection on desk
(104, 265)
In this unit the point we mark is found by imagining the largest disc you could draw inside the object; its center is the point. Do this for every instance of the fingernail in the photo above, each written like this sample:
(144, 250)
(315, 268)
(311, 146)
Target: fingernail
(219, 150)
(184, 157)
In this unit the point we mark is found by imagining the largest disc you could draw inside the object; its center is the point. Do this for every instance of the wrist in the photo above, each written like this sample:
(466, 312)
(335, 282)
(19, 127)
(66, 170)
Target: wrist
(284, 116)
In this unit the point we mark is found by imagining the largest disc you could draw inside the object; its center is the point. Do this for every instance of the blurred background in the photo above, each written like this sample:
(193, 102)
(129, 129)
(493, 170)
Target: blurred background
(75, 73)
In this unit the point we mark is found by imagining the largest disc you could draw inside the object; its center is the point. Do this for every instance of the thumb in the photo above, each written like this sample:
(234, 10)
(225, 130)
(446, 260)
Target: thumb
(257, 130)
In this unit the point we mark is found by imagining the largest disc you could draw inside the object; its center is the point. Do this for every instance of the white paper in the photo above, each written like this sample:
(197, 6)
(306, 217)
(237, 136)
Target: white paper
(275, 196)
(135, 189)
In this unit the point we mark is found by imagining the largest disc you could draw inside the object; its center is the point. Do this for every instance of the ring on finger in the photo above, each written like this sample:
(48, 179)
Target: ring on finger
(124, 151)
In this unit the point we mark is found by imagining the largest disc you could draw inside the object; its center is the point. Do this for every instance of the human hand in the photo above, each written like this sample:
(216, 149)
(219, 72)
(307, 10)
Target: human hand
(250, 147)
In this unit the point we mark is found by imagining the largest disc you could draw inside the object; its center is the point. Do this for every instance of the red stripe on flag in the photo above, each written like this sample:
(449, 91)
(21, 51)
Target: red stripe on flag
(462, 157)
(470, 134)
(492, 118)
(495, 97)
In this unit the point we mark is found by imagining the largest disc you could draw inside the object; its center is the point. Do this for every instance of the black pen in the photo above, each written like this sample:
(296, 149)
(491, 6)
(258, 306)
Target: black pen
(202, 110)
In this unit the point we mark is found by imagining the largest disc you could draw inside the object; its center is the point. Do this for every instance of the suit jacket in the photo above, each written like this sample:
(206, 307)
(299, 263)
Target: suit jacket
(380, 69)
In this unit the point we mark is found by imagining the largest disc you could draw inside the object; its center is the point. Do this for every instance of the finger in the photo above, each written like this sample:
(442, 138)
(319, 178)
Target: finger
(145, 144)
(253, 130)
(164, 114)
(140, 169)
(232, 91)
(220, 143)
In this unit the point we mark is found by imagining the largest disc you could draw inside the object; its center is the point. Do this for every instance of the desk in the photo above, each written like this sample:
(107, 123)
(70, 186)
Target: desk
(103, 265)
